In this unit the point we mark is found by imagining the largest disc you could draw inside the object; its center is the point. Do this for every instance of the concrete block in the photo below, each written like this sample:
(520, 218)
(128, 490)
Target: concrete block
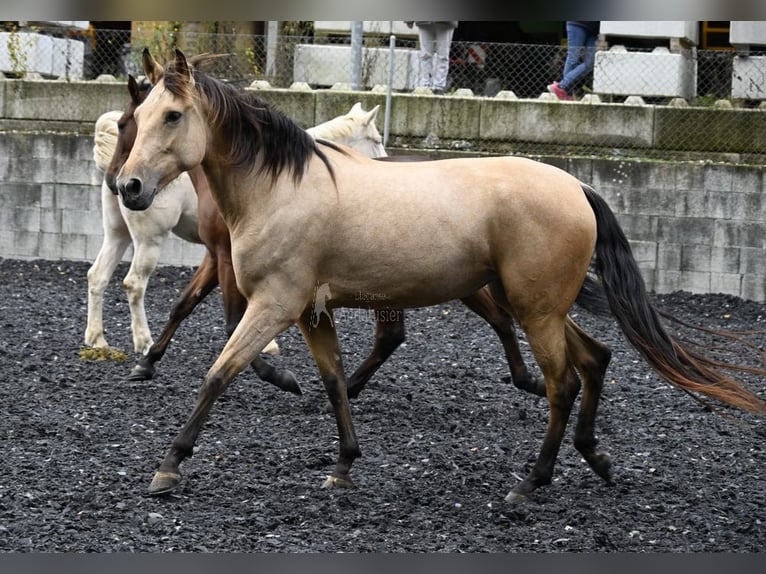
(447, 118)
(6, 240)
(50, 220)
(73, 246)
(330, 104)
(682, 29)
(747, 32)
(754, 287)
(752, 261)
(645, 252)
(540, 121)
(690, 203)
(667, 281)
(649, 275)
(685, 231)
(23, 52)
(298, 105)
(69, 101)
(20, 195)
(689, 176)
(725, 259)
(739, 234)
(738, 130)
(26, 219)
(748, 77)
(51, 246)
(695, 257)
(727, 283)
(67, 58)
(639, 227)
(26, 243)
(325, 65)
(79, 222)
(669, 256)
(695, 281)
(659, 73)
(385, 28)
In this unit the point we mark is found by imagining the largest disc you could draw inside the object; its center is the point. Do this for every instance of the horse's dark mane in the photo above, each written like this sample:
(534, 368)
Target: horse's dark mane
(255, 127)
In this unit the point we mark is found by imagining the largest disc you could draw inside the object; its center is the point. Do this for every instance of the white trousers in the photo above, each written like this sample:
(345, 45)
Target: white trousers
(435, 41)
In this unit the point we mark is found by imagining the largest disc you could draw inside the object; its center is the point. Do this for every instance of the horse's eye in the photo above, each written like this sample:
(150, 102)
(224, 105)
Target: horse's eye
(173, 117)
(121, 126)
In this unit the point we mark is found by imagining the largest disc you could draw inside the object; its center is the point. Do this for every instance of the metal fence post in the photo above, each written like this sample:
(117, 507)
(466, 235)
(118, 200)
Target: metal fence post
(356, 54)
(272, 39)
(390, 81)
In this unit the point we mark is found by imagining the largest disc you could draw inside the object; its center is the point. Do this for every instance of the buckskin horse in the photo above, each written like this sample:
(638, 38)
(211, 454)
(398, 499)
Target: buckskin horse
(304, 213)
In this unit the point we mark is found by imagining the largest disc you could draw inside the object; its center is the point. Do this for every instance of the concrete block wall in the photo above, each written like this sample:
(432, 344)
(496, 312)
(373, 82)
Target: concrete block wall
(696, 226)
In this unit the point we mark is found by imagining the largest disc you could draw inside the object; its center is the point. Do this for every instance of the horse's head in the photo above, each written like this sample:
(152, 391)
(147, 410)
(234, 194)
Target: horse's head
(356, 129)
(170, 133)
(126, 131)
(366, 137)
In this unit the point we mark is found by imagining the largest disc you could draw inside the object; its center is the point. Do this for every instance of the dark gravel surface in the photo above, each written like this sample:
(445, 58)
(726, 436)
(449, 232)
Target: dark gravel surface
(443, 440)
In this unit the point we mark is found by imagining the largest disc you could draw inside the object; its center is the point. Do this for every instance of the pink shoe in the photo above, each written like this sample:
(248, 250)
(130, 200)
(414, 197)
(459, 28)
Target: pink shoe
(559, 92)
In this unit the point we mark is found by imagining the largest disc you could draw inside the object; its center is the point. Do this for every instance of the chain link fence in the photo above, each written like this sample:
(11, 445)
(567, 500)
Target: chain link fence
(702, 78)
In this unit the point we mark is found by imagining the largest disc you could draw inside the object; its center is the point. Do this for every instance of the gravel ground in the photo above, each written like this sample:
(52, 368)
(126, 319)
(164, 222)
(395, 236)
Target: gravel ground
(443, 440)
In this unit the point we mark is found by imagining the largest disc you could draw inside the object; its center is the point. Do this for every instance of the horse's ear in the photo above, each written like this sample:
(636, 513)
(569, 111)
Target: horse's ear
(372, 114)
(357, 107)
(182, 65)
(152, 69)
(133, 89)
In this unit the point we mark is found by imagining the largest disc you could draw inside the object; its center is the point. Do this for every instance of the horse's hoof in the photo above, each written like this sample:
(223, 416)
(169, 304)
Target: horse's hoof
(164, 482)
(516, 497)
(272, 348)
(141, 373)
(602, 466)
(336, 482)
(288, 382)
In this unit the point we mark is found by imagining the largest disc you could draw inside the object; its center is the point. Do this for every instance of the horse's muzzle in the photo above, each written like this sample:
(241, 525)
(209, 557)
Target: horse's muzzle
(134, 196)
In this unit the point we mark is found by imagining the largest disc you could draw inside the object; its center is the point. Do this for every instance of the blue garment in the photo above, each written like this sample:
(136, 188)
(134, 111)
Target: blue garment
(581, 53)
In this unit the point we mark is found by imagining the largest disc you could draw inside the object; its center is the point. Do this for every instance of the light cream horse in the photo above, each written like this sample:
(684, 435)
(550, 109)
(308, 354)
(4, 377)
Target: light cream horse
(304, 213)
(176, 212)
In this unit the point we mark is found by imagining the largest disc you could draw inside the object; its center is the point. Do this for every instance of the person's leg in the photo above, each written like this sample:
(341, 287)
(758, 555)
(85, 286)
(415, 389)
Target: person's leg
(576, 36)
(427, 43)
(443, 41)
(586, 58)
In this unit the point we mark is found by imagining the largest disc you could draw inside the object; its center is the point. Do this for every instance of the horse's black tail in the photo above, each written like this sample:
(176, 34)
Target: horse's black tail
(639, 320)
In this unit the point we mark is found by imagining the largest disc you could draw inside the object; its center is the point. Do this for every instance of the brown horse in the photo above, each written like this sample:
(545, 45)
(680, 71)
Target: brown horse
(216, 269)
(306, 214)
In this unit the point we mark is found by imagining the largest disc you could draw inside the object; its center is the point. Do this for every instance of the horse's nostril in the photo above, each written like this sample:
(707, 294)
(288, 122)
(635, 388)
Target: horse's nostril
(133, 187)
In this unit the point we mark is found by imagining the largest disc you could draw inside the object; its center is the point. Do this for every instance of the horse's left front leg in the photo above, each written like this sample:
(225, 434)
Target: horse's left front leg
(145, 259)
(323, 342)
(258, 326)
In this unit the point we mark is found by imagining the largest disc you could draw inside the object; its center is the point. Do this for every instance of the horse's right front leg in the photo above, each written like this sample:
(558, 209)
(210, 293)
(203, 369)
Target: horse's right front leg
(484, 305)
(389, 334)
(258, 326)
(204, 280)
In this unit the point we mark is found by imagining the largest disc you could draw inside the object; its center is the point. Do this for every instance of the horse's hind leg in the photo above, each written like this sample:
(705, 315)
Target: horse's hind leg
(234, 304)
(591, 359)
(389, 334)
(323, 342)
(204, 280)
(547, 339)
(484, 305)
